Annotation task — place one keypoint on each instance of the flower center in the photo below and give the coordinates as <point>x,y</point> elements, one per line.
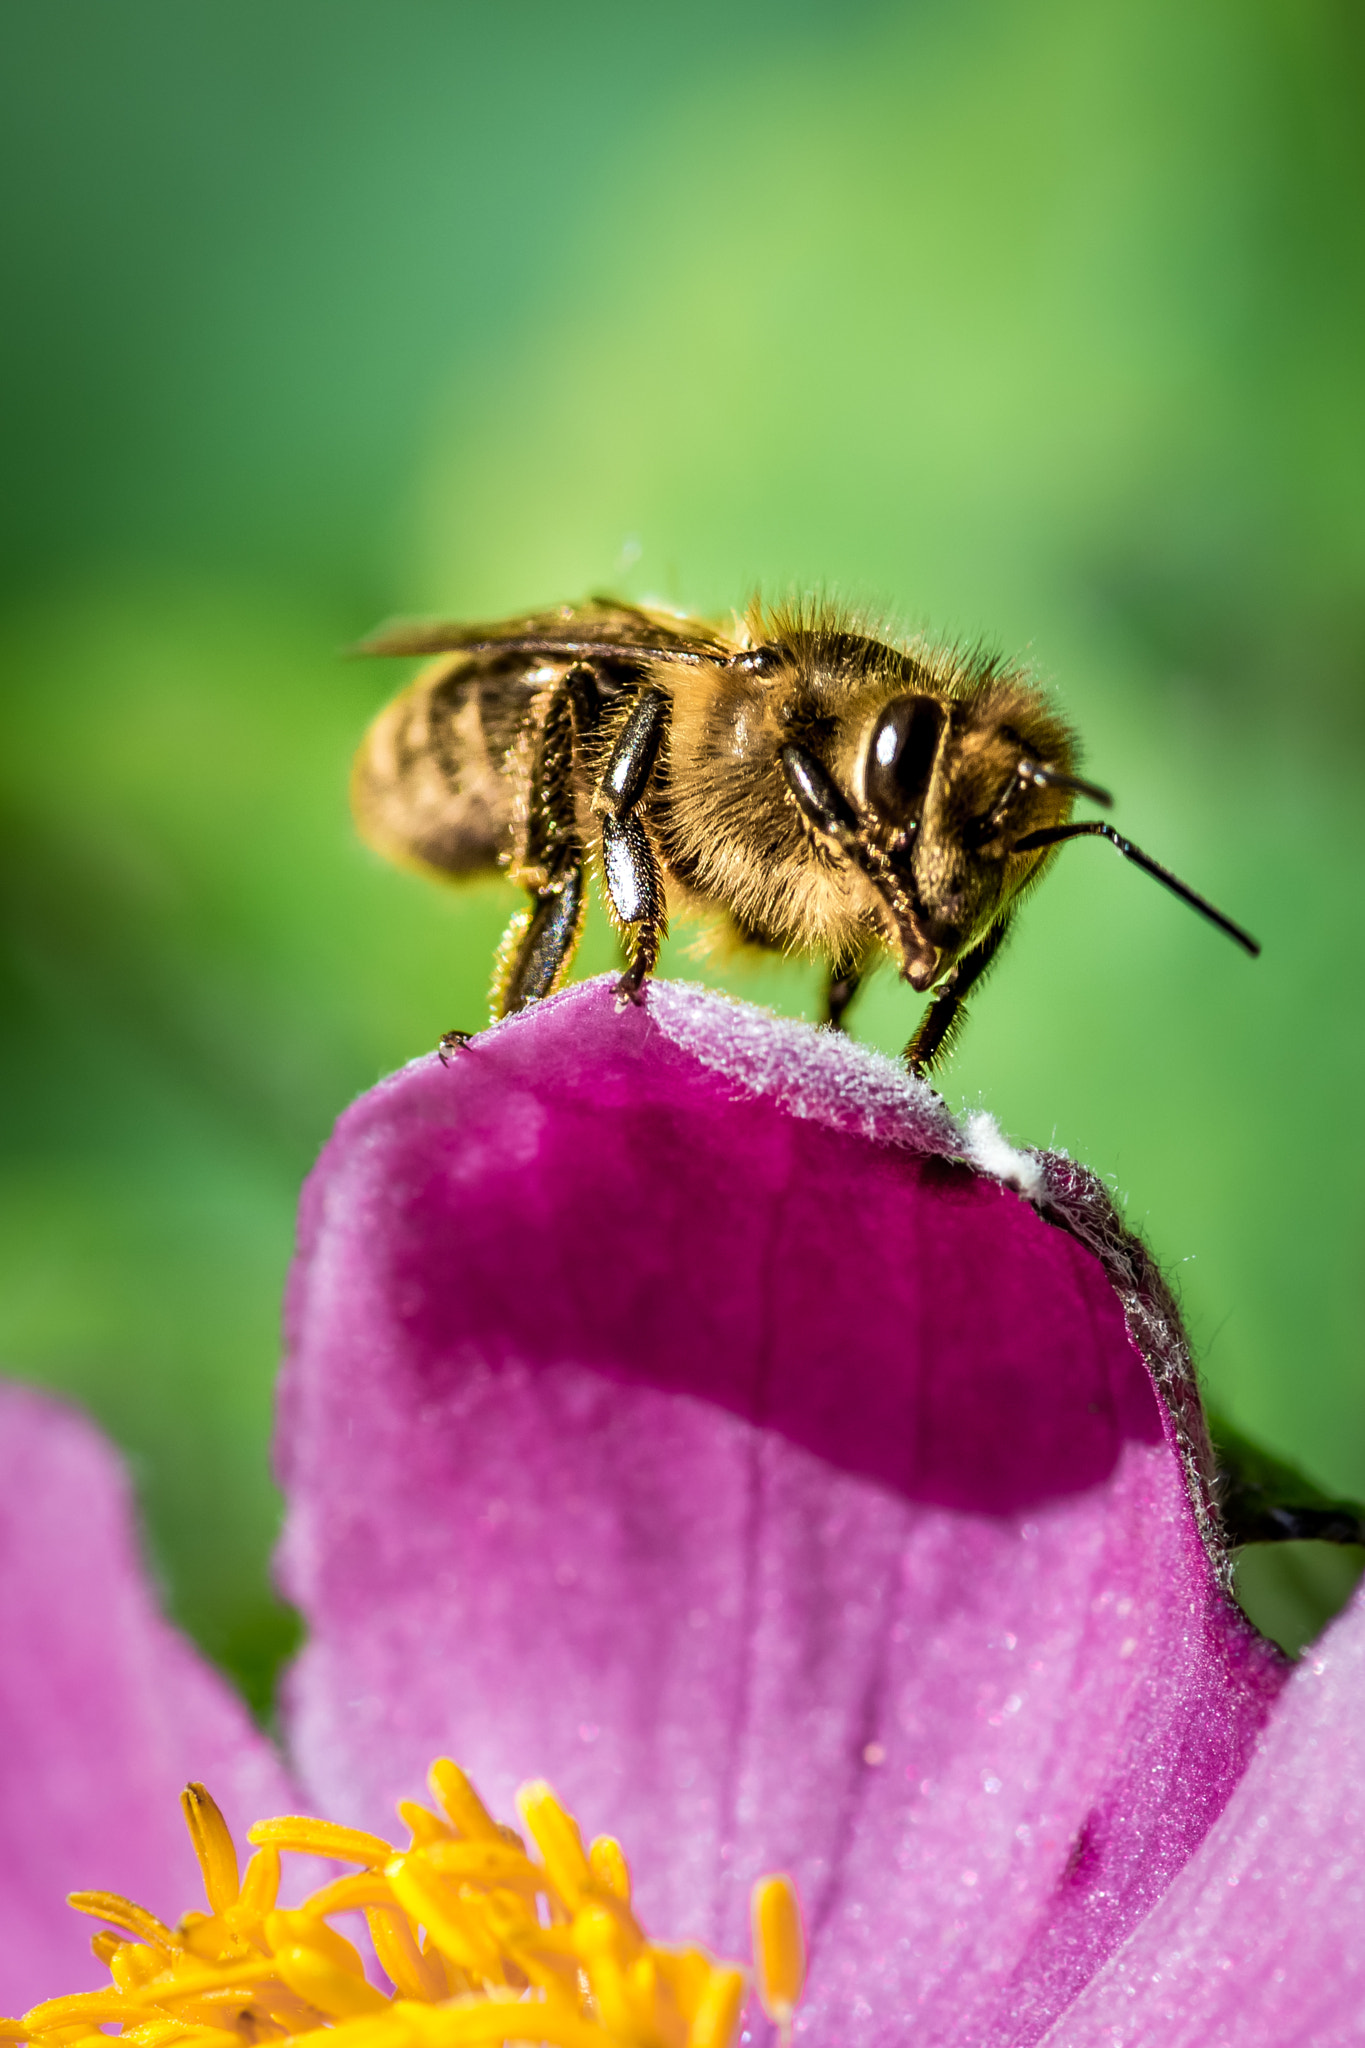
<point>482,1940</point>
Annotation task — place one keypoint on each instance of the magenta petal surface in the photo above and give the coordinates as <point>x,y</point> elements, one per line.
<point>105,1711</point>
<point>669,1414</point>
<point>1260,1942</point>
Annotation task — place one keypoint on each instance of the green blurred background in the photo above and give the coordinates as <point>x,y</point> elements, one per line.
<point>1039,323</point>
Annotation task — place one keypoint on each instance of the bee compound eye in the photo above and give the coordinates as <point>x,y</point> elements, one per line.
<point>759,661</point>
<point>900,757</point>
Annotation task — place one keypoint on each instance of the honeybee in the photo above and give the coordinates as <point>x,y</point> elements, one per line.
<point>805,786</point>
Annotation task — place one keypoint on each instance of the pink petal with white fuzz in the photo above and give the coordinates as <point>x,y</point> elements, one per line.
<point>666,1413</point>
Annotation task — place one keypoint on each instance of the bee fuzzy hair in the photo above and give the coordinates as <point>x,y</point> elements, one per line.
<point>825,625</point>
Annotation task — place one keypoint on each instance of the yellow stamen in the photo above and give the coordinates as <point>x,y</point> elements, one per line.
<point>606,1954</point>
<point>260,1886</point>
<point>716,2019</point>
<point>214,1847</point>
<point>557,2024</point>
<point>555,1834</point>
<point>305,1930</point>
<point>438,1907</point>
<point>323,1983</point>
<point>158,2033</point>
<point>345,1894</point>
<point>779,1949</point>
<point>467,1812</point>
<point>154,2033</point>
<point>91,2008</point>
<point>489,1863</point>
<point>412,1974</point>
<point>481,1941</point>
<point>424,1824</point>
<point>133,1964</point>
<point>606,1861</point>
<point>321,1838</point>
<point>134,1920</point>
<point>195,1979</point>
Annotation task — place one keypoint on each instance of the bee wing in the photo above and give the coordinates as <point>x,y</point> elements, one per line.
<point>601,626</point>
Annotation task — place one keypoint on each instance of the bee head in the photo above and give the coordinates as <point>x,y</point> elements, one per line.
<point>948,786</point>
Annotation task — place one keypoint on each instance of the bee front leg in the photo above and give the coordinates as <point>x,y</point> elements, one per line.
<point>629,864</point>
<point>942,1022</point>
<point>635,887</point>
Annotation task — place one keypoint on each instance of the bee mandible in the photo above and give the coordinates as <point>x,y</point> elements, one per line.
<point>800,783</point>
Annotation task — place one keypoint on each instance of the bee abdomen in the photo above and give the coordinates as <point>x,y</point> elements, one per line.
<point>427,789</point>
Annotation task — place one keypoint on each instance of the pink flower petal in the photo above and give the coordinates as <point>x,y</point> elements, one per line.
<point>105,1711</point>
<point>666,1413</point>
<point>1258,1943</point>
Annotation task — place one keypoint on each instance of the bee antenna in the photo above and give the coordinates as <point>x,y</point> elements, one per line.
<point>1096,828</point>
<point>1053,778</point>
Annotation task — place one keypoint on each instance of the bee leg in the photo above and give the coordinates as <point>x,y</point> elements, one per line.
<point>629,863</point>
<point>539,942</point>
<point>637,897</point>
<point>843,982</point>
<point>628,988</point>
<point>943,1020</point>
<point>627,773</point>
